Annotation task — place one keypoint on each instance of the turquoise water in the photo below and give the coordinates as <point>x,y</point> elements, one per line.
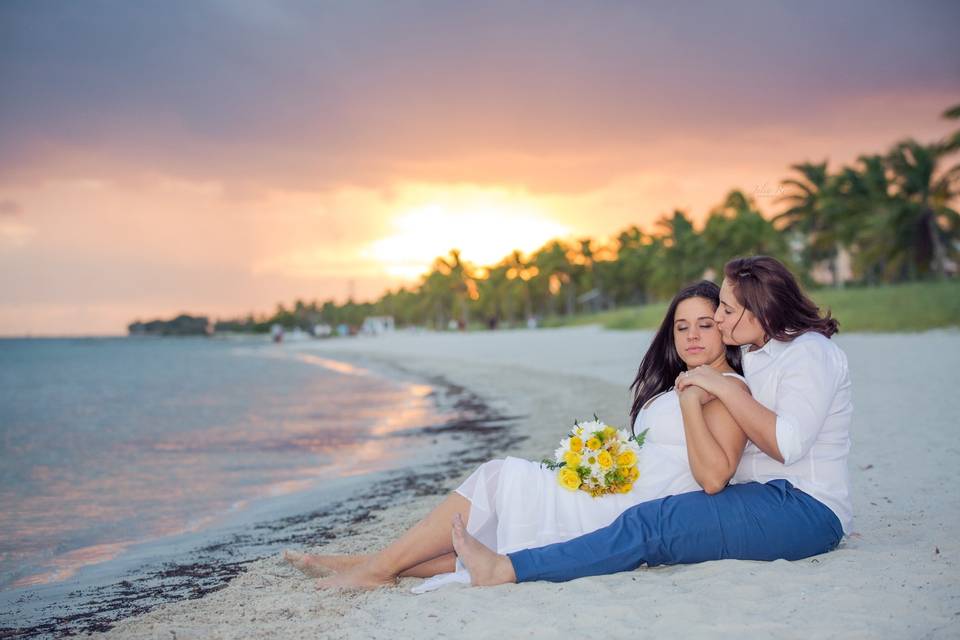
<point>106,443</point>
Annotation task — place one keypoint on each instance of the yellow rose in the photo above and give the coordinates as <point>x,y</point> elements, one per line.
<point>626,459</point>
<point>626,488</point>
<point>576,444</point>
<point>609,432</point>
<point>569,479</point>
<point>605,459</point>
<point>633,474</point>
<point>572,459</point>
<point>593,443</point>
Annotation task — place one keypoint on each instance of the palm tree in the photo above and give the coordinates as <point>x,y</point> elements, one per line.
<point>555,274</point>
<point>814,216</point>
<point>737,228</point>
<point>681,258</point>
<point>925,225</point>
<point>862,192</point>
<point>521,271</point>
<point>952,143</point>
<point>459,279</point>
<point>436,298</point>
<point>636,256</point>
<point>585,255</point>
<point>495,300</point>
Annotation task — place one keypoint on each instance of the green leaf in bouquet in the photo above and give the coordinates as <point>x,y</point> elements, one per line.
<point>613,477</point>
<point>639,438</point>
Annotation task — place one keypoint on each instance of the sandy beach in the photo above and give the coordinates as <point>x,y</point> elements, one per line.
<point>895,576</point>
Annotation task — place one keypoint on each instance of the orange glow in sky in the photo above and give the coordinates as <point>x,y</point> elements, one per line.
<point>485,224</point>
<point>317,152</point>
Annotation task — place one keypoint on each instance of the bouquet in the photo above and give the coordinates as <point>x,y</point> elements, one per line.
<point>597,458</point>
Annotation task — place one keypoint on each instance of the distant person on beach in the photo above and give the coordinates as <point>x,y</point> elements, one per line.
<point>790,497</point>
<point>512,504</point>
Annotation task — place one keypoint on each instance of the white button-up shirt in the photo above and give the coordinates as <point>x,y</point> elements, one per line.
<point>806,382</point>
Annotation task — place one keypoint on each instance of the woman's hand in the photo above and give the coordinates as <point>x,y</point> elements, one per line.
<point>695,394</point>
<point>705,377</point>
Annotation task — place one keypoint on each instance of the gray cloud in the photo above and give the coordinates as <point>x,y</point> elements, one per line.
<point>314,94</point>
<point>10,208</point>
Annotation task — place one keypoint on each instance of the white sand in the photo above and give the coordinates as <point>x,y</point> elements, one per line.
<point>895,577</point>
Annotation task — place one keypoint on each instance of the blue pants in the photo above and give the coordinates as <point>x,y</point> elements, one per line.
<point>744,521</point>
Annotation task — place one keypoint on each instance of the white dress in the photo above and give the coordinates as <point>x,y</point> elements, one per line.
<point>518,504</point>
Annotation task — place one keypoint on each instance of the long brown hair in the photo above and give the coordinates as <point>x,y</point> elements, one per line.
<point>766,288</point>
<point>662,364</point>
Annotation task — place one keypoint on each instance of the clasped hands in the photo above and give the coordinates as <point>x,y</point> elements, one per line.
<point>702,383</point>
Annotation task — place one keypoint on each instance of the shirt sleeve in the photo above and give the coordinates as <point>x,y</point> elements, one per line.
<point>807,386</point>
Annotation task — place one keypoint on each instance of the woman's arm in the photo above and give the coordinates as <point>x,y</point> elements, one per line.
<point>714,441</point>
<point>757,422</point>
<point>811,373</point>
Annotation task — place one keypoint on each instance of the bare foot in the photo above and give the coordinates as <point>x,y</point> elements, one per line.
<point>362,576</point>
<point>486,567</point>
<point>318,566</point>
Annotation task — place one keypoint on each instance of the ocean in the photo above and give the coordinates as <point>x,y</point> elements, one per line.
<point>123,457</point>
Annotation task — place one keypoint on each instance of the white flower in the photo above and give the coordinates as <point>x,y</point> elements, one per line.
<point>596,471</point>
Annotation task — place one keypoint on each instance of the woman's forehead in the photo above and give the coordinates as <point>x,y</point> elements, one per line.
<point>693,308</point>
<point>726,294</point>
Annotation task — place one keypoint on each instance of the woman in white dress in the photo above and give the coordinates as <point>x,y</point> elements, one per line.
<point>515,504</point>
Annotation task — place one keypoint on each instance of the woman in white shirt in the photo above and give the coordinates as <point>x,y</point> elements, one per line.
<point>791,497</point>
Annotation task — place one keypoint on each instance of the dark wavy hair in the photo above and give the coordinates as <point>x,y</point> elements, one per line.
<point>768,290</point>
<point>662,364</point>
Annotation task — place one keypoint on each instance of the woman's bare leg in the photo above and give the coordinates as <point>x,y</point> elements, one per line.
<point>425,541</point>
<point>318,566</point>
<point>441,564</point>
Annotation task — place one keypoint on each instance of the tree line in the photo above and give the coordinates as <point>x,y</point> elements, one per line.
<point>888,215</point>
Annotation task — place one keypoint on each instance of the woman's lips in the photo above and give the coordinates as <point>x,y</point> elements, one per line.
<point>694,349</point>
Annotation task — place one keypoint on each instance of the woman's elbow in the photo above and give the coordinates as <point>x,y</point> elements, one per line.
<point>715,483</point>
<point>713,487</point>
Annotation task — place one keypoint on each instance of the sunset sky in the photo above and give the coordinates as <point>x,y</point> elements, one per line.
<point>220,157</point>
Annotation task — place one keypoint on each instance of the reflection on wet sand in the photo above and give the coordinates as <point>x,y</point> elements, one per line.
<point>64,566</point>
<point>332,365</point>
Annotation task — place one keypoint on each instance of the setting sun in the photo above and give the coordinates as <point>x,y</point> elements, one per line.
<point>485,224</point>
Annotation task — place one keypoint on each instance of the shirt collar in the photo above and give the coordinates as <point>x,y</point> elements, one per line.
<point>772,348</point>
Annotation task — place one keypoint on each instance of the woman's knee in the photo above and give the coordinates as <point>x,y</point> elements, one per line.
<point>493,466</point>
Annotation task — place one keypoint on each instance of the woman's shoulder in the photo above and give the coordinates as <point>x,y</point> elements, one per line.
<point>655,398</point>
<point>817,347</point>
<point>813,342</point>
<point>738,377</point>
<point>658,409</point>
